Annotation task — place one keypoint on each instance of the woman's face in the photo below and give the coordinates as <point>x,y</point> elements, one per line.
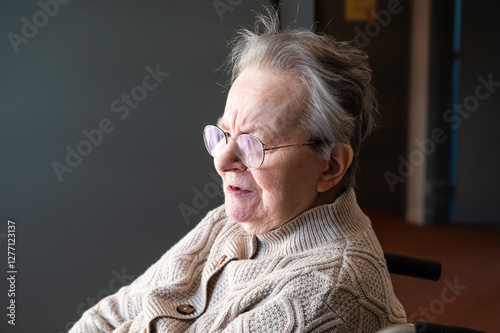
<point>263,103</point>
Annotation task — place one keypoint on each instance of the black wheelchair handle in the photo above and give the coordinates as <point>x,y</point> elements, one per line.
<point>414,267</point>
<point>421,327</point>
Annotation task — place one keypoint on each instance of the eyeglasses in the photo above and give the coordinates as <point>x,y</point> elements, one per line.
<point>249,148</point>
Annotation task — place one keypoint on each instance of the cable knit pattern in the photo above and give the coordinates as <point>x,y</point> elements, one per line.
<point>323,271</point>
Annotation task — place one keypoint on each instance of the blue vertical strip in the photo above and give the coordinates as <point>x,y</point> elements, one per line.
<point>455,95</point>
<point>457,26</point>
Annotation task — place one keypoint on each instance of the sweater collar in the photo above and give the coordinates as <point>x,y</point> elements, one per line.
<point>320,225</point>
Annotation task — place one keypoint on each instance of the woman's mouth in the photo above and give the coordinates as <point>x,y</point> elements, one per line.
<point>237,190</point>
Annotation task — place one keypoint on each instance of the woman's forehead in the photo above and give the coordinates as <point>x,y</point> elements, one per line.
<point>260,99</point>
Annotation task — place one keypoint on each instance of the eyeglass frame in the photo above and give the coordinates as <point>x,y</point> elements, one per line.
<point>264,149</point>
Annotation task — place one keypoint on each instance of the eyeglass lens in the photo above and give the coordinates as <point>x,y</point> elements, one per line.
<point>215,140</point>
<point>249,147</point>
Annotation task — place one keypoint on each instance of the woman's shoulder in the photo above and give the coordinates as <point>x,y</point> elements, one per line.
<point>345,262</point>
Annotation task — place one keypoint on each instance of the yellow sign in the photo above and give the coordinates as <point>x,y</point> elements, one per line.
<point>360,10</point>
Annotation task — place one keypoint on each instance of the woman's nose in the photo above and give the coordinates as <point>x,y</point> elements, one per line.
<point>229,159</point>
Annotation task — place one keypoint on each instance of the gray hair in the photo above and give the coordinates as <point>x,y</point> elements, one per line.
<point>340,104</point>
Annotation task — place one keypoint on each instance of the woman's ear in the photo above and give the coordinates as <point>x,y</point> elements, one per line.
<point>340,160</point>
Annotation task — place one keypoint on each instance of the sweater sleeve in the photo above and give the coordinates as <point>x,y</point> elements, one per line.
<point>122,312</point>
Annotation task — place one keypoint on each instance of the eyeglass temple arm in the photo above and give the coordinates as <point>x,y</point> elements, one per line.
<point>297,144</point>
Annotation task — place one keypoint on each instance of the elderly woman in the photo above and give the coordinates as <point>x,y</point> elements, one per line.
<point>290,250</point>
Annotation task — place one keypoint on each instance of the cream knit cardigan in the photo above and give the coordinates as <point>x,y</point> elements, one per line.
<point>323,271</point>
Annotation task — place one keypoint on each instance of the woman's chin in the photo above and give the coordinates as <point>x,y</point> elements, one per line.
<point>237,215</point>
<point>240,212</point>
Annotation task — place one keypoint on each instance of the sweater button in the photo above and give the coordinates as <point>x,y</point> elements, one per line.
<point>221,261</point>
<point>185,309</point>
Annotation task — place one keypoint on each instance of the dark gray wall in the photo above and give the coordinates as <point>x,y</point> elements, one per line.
<point>478,163</point>
<point>111,214</point>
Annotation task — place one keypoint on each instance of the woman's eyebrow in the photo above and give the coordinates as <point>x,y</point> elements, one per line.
<point>269,134</point>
